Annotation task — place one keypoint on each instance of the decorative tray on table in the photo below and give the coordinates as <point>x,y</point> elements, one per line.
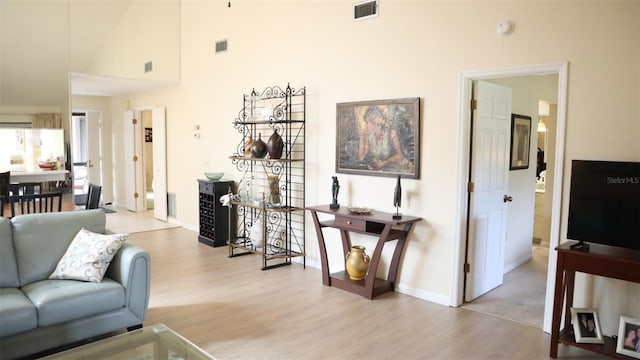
<point>359,210</point>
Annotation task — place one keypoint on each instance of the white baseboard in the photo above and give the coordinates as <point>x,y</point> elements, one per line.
<point>403,289</point>
<point>191,227</point>
<point>424,295</point>
<point>517,263</point>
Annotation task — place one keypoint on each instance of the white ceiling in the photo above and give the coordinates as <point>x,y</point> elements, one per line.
<point>43,41</point>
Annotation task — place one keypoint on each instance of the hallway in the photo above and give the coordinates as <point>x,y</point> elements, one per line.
<point>521,297</point>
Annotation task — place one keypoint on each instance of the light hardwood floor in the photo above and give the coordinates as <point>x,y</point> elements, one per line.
<point>233,310</point>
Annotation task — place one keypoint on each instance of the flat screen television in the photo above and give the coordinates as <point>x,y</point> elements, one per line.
<point>604,203</point>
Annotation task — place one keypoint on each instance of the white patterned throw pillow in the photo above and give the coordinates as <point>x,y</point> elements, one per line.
<point>88,256</point>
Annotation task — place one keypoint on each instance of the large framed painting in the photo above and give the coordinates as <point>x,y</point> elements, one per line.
<point>520,141</point>
<point>379,138</point>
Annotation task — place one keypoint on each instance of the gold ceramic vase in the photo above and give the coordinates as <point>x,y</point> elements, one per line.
<point>357,262</point>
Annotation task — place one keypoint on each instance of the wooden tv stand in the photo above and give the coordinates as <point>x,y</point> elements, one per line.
<point>602,260</point>
<point>378,224</point>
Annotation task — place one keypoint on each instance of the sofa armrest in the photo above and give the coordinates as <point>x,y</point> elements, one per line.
<point>131,267</point>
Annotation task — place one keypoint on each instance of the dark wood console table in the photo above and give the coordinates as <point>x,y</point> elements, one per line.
<point>602,260</point>
<point>376,223</point>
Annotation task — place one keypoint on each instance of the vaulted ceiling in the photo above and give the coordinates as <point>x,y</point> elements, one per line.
<point>43,41</point>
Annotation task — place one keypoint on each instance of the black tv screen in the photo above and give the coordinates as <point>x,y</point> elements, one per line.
<point>604,203</point>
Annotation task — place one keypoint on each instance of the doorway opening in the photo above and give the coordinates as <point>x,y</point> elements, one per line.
<point>521,297</point>
<point>147,158</point>
<point>554,171</point>
<point>86,152</point>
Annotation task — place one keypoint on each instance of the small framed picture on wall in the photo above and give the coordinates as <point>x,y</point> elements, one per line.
<point>148,135</point>
<point>520,141</point>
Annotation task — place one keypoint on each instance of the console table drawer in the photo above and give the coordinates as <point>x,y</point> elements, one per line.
<point>206,187</point>
<point>351,224</point>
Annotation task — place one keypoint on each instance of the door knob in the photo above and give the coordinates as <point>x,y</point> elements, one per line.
<point>507,198</point>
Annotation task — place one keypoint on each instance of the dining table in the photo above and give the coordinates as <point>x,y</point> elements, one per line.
<point>38,176</point>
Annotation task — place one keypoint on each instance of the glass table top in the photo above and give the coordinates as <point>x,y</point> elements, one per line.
<point>152,342</point>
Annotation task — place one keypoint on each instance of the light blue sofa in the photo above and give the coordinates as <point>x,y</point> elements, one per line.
<point>38,314</point>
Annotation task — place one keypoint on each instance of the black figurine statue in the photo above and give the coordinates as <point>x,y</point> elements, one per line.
<point>335,188</point>
<point>397,199</point>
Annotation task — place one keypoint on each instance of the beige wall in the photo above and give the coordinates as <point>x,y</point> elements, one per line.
<point>149,31</point>
<point>412,49</point>
<point>25,114</point>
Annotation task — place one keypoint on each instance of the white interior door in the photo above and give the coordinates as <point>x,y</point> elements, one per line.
<point>159,164</point>
<point>94,147</point>
<point>490,175</point>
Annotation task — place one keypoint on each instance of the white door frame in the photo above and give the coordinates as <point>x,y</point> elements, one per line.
<point>132,149</point>
<point>159,137</point>
<point>464,136</point>
<point>159,149</point>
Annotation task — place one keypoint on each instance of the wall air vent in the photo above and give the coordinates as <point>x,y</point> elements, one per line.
<point>365,10</point>
<point>221,46</point>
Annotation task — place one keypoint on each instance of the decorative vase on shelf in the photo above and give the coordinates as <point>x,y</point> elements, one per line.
<point>357,263</point>
<point>259,148</point>
<point>247,146</point>
<point>275,145</point>
<point>274,189</point>
<point>256,233</point>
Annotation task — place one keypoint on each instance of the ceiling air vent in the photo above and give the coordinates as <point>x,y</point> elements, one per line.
<point>365,10</point>
<point>221,46</point>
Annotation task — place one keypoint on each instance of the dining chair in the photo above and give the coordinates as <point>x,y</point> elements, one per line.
<point>5,180</point>
<point>93,196</point>
<point>35,203</point>
<point>31,187</point>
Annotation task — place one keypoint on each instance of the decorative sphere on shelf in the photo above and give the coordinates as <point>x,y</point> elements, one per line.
<point>214,176</point>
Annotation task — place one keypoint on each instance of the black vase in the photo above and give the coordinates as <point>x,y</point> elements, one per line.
<point>259,148</point>
<point>275,145</point>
